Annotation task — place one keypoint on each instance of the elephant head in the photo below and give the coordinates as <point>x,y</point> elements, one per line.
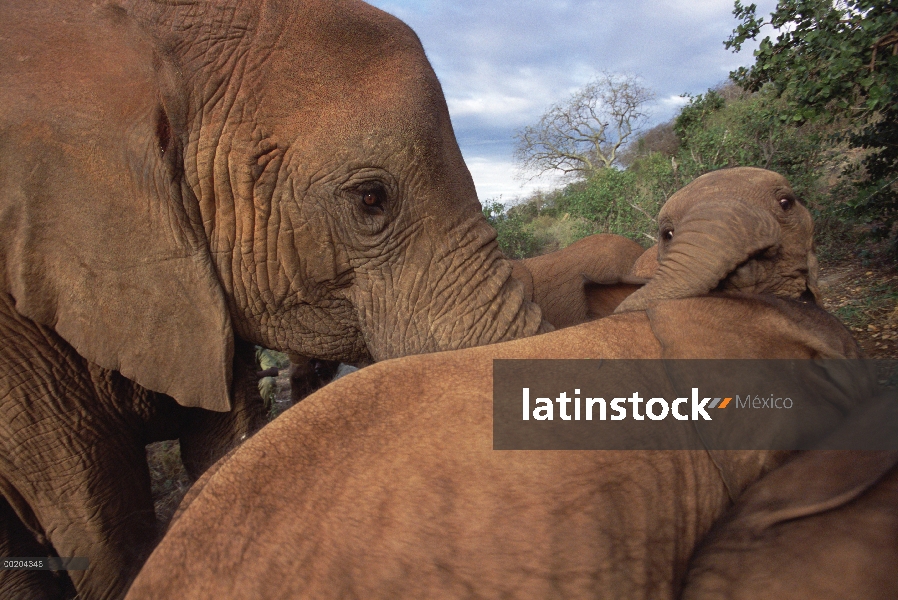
<point>740,229</point>
<point>182,173</point>
<point>182,180</point>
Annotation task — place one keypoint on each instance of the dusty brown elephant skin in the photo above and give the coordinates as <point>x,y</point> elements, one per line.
<point>741,229</point>
<point>397,493</point>
<point>181,180</point>
<point>394,490</point>
<point>822,527</point>
<point>586,280</point>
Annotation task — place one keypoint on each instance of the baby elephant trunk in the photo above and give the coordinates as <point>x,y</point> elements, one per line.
<point>710,244</point>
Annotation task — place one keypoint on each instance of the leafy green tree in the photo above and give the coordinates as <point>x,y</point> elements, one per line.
<point>749,130</point>
<point>833,60</point>
<point>618,201</point>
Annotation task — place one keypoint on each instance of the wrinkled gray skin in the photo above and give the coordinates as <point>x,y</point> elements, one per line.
<point>179,181</point>
<point>822,527</point>
<point>740,229</point>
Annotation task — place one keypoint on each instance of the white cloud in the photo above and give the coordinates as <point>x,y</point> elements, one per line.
<point>489,104</point>
<point>503,64</point>
<point>498,179</point>
<point>508,97</point>
<point>677,100</point>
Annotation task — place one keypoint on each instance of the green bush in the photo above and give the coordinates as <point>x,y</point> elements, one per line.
<point>512,236</point>
<point>849,193</point>
<point>755,130</point>
<point>623,202</point>
<point>751,130</point>
<point>831,62</point>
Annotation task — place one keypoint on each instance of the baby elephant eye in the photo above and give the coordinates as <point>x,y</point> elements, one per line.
<point>786,203</point>
<point>371,199</point>
<point>667,235</point>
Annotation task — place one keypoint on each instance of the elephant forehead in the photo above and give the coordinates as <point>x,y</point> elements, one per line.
<point>741,184</point>
<point>340,80</point>
<point>340,54</point>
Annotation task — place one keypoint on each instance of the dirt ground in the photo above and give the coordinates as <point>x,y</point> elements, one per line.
<point>865,297</point>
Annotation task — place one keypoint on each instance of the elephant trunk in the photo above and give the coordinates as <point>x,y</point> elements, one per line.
<point>710,243</point>
<point>446,296</point>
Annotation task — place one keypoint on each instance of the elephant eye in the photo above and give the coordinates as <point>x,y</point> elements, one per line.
<point>373,199</point>
<point>667,235</point>
<point>786,203</point>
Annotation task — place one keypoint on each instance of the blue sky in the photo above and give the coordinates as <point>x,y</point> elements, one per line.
<point>502,64</point>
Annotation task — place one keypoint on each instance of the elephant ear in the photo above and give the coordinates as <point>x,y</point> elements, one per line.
<point>100,231</point>
<point>711,241</point>
<point>602,297</point>
<point>820,480</point>
<point>813,274</point>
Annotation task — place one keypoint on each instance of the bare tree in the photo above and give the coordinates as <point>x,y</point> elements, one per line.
<point>586,132</point>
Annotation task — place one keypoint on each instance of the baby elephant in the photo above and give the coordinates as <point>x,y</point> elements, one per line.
<point>741,229</point>
<point>385,484</point>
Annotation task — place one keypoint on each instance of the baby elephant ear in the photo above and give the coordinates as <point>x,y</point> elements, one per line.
<point>813,276</point>
<point>820,480</point>
<point>102,238</point>
<point>520,272</point>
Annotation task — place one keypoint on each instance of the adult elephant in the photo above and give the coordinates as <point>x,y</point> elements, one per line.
<point>396,491</point>
<point>179,181</point>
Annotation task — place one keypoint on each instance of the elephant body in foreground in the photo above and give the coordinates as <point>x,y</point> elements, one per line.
<point>180,181</point>
<point>394,489</point>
